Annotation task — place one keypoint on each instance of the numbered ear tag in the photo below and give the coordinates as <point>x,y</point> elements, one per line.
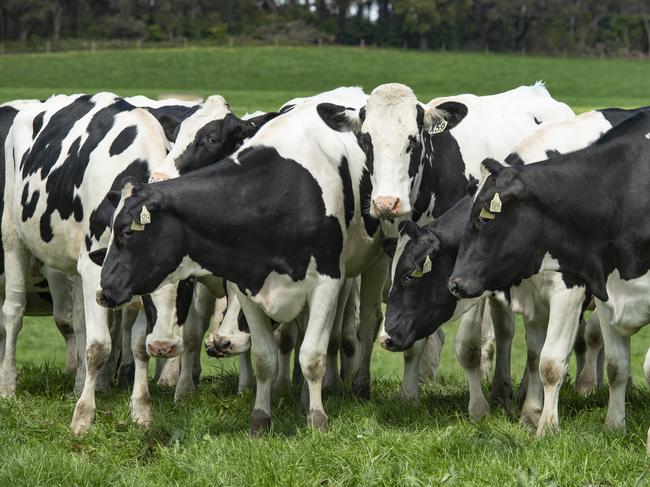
<point>417,273</point>
<point>137,227</point>
<point>427,265</point>
<point>145,216</point>
<point>439,127</point>
<point>486,214</point>
<point>495,204</point>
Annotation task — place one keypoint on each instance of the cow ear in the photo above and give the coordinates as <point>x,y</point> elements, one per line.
<point>340,118</point>
<point>472,186</point>
<point>98,256</point>
<point>252,125</point>
<point>410,228</point>
<point>169,125</point>
<point>443,117</point>
<point>389,245</point>
<point>113,197</point>
<point>491,167</point>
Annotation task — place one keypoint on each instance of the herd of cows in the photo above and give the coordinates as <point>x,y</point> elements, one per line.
<point>150,223</point>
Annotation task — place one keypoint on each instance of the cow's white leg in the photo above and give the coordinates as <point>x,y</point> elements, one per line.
<point>313,351</point>
<point>563,324</point>
<point>617,358</point>
<point>430,360</point>
<point>165,340</point>
<point>140,400</point>
<point>79,325</point>
<point>488,344</point>
<point>107,371</point>
<point>534,402</point>
<point>332,378</point>
<point>349,330</point>
<point>17,260</point>
<point>170,370</point>
<point>588,378</point>
<point>285,337</point>
<point>468,352</point>
<point>372,286</point>
<point>127,367</point>
<point>98,344</point>
<point>192,334</point>
<point>62,292</point>
<point>504,329</point>
<point>580,347</point>
<point>265,355</point>
<point>246,376</point>
<point>411,378</point>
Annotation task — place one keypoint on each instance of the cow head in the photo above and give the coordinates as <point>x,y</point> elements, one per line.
<point>139,258</point>
<point>390,131</point>
<point>210,134</point>
<point>419,300</point>
<point>501,244</point>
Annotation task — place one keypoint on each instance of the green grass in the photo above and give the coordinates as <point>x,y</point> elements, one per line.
<point>204,440</point>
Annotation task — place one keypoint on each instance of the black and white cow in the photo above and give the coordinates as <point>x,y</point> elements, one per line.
<point>419,303</point>
<point>581,215</point>
<point>284,223</point>
<point>420,158</point>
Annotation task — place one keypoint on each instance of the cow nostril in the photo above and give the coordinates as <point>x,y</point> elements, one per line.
<point>395,204</point>
<point>389,343</point>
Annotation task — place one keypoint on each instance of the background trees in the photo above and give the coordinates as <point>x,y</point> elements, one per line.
<point>602,27</point>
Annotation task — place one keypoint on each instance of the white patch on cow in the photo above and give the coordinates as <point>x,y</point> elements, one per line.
<point>348,96</point>
<point>145,102</point>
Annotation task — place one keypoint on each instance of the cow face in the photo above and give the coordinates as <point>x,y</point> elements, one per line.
<point>502,241</point>
<point>139,256</point>
<point>419,301</point>
<point>208,135</point>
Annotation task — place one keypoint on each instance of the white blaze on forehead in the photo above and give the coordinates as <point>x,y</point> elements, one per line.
<point>214,108</point>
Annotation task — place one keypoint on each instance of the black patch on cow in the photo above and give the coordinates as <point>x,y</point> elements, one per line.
<point>514,159</point>
<point>348,193</point>
<point>538,122</point>
<point>150,312</point>
<point>37,123</point>
<point>365,192</point>
<point>242,322</point>
<point>124,139</point>
<point>88,242</point>
<point>551,153</point>
<point>334,116</point>
<point>364,140</point>
<point>102,216</point>
<point>617,115</point>
<point>184,294</point>
<point>171,116</point>
<point>285,109</point>
<point>28,205</point>
<point>7,116</point>
<point>98,256</point>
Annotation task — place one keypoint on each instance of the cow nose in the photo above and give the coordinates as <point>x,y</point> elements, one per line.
<point>386,342</point>
<point>158,176</point>
<point>455,287</point>
<point>101,299</point>
<point>387,206</point>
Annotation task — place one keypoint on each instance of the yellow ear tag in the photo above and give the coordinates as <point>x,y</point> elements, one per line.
<point>495,204</point>
<point>486,214</point>
<point>137,227</point>
<point>439,127</point>
<point>417,273</point>
<point>145,216</point>
<point>427,265</point>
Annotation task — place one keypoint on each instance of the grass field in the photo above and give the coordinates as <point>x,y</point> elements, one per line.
<point>385,441</point>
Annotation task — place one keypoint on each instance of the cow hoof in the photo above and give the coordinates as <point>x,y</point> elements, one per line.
<point>141,411</point>
<point>82,419</point>
<point>125,374</point>
<point>184,389</point>
<point>7,391</point>
<point>361,389</point>
<point>260,423</point>
<point>245,387</point>
<point>280,387</point>
<point>501,395</point>
<point>479,408</point>
<point>530,419</point>
<point>615,423</point>
<point>584,387</point>
<point>317,419</point>
<point>547,426</point>
<point>8,383</point>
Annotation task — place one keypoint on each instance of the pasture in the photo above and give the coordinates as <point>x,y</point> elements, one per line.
<point>204,440</point>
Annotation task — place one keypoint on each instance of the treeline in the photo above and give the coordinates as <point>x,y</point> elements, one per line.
<point>591,27</point>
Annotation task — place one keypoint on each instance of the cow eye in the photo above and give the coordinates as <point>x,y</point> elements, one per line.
<point>212,139</point>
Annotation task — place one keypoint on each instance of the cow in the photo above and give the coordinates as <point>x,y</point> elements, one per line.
<point>284,249</point>
<point>420,158</point>
<point>544,223</point>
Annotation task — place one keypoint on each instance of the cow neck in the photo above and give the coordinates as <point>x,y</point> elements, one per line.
<point>442,181</point>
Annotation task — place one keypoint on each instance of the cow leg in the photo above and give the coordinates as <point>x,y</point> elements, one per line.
<point>488,344</point>
<point>332,376</point>
<point>108,370</point>
<point>588,378</point>
<point>430,360</point>
<point>580,348</point>
<point>523,388</point>
<point>372,286</point>
<point>349,330</point>
<point>617,358</point>
<point>17,259</point>
<point>411,379</point>
<point>285,337</point>
<point>246,376</point>
<point>563,324</point>
<point>79,325</point>
<point>98,344</point>
<point>296,376</point>
<point>535,336</point>
<point>313,351</point>
<point>504,329</point>
<point>468,352</point>
<point>127,366</point>
<point>165,340</point>
<point>62,303</point>
<point>265,355</point>
<point>169,370</point>
<point>140,400</point>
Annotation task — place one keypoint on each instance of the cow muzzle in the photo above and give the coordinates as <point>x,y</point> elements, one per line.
<point>388,207</point>
<point>106,299</point>
<point>159,176</point>
<point>464,288</point>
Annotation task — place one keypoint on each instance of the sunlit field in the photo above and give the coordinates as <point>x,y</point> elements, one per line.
<point>204,440</point>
